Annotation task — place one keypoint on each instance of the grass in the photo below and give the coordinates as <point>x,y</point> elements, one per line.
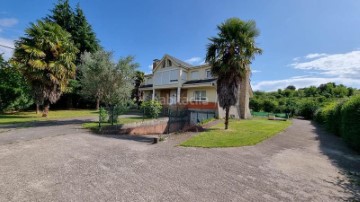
<point>24,117</point>
<point>240,133</point>
<point>94,126</point>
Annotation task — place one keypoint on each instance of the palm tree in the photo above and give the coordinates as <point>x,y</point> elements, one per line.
<point>230,54</point>
<point>45,57</point>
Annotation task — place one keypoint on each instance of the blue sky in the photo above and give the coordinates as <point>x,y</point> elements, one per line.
<point>305,42</point>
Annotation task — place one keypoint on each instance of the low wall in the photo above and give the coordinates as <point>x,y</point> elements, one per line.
<point>149,127</point>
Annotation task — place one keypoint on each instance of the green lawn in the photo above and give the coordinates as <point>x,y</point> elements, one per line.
<point>23,117</point>
<point>240,133</point>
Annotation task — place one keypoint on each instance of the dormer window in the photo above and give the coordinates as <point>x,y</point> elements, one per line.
<point>169,63</point>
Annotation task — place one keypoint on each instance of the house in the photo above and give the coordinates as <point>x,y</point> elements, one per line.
<point>177,83</point>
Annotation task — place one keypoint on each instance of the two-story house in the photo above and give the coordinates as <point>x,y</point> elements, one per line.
<point>177,83</point>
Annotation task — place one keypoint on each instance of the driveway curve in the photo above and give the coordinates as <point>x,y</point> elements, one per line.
<point>303,163</point>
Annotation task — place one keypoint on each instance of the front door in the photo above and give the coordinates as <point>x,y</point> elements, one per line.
<point>173,97</point>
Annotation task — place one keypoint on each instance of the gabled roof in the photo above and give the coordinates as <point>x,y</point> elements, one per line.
<point>180,62</point>
<point>174,60</point>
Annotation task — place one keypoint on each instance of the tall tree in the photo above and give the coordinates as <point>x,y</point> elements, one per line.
<point>106,81</point>
<point>138,80</point>
<point>63,15</point>
<point>77,25</point>
<point>83,35</point>
<point>45,57</point>
<point>230,54</point>
<point>75,22</point>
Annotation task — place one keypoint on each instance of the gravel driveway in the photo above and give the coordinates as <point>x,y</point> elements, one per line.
<point>301,164</point>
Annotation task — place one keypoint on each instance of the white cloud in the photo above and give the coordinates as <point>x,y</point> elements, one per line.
<point>8,22</point>
<point>6,51</point>
<point>345,65</point>
<point>296,59</point>
<point>299,82</point>
<point>195,61</point>
<point>319,68</point>
<point>255,71</point>
<point>315,55</point>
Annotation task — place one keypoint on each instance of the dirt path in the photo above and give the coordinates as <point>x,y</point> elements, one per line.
<point>301,164</point>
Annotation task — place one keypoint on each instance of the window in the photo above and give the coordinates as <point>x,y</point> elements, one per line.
<point>208,73</point>
<point>194,75</point>
<point>174,74</point>
<point>169,63</point>
<point>165,79</point>
<point>163,64</point>
<point>157,78</point>
<point>200,95</point>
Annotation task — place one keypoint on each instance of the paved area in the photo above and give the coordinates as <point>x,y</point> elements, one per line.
<point>69,164</point>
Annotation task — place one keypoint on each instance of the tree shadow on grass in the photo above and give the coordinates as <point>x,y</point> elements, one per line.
<point>47,123</point>
<point>347,160</point>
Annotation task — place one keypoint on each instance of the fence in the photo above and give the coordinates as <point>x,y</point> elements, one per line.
<point>267,114</point>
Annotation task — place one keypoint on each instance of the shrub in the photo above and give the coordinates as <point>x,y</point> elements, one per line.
<point>116,111</point>
<point>269,106</point>
<point>151,108</point>
<point>350,122</point>
<point>103,115</point>
<point>307,109</point>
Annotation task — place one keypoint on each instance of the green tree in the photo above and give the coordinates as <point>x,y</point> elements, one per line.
<point>291,87</point>
<point>230,54</point>
<point>14,92</point>
<point>77,25</point>
<point>311,91</point>
<point>256,104</point>
<point>45,57</point>
<point>119,82</point>
<point>83,36</point>
<point>94,68</point>
<point>106,81</point>
<point>269,105</point>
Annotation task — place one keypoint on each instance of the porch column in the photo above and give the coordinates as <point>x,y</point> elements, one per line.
<point>153,95</point>
<point>178,95</point>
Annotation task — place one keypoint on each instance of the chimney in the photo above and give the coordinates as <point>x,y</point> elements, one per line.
<point>155,63</point>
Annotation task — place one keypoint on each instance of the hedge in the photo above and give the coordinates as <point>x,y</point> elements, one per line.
<point>350,122</point>
<point>343,119</point>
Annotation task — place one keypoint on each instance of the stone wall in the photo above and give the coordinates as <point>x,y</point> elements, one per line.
<point>149,127</point>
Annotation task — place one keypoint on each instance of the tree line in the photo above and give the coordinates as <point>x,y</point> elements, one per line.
<point>60,55</point>
<point>302,102</point>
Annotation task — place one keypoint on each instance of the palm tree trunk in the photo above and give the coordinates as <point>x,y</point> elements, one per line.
<point>97,103</point>
<point>227,109</point>
<point>46,108</point>
<point>37,108</point>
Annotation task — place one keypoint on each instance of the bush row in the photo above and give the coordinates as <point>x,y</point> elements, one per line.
<point>343,119</point>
